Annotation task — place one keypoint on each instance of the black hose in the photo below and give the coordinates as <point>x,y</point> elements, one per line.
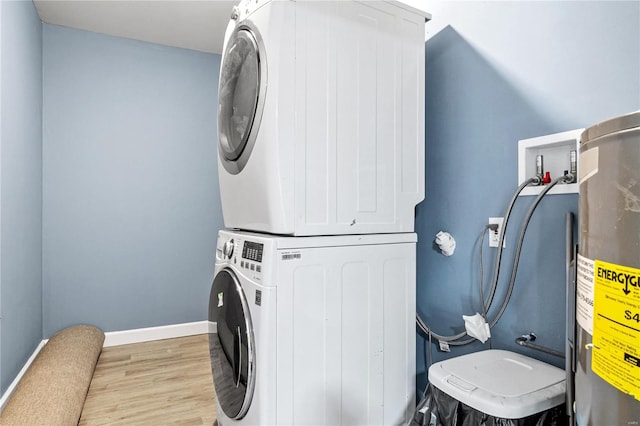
<point>481,273</point>
<point>523,341</point>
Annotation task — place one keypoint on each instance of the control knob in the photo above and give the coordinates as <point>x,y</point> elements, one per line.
<point>235,13</point>
<point>227,249</point>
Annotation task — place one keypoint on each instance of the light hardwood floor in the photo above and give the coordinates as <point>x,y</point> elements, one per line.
<point>153,383</point>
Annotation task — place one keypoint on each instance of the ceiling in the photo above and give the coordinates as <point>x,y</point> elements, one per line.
<point>190,24</point>
<point>197,25</point>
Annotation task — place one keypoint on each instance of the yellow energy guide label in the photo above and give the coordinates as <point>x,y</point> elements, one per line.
<point>616,326</point>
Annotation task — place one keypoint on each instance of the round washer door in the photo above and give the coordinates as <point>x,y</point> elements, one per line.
<point>241,97</point>
<point>231,346</point>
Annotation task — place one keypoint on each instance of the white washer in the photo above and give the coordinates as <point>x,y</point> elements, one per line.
<point>321,117</point>
<point>313,330</point>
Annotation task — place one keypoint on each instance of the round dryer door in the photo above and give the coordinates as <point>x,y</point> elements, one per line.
<point>231,346</point>
<point>241,95</point>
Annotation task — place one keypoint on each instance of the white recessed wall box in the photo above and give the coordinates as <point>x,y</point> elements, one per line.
<point>555,150</point>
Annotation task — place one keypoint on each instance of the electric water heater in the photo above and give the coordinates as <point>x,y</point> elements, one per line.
<point>607,377</point>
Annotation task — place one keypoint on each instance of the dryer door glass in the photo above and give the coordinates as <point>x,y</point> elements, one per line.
<point>239,90</point>
<point>231,346</point>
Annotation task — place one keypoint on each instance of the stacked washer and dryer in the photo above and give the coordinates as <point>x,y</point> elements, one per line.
<point>321,165</point>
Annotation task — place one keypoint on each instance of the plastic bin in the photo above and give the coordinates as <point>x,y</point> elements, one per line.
<point>493,387</point>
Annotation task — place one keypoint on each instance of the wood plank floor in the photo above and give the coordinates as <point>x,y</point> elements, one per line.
<point>154,383</point>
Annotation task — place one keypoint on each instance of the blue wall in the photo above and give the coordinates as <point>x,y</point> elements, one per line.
<point>130,196</point>
<point>498,72</point>
<point>123,175</point>
<point>20,186</point>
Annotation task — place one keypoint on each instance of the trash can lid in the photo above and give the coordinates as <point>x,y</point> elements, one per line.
<point>500,383</point>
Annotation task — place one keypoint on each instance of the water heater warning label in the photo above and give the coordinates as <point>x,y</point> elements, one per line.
<point>584,293</point>
<point>616,326</point>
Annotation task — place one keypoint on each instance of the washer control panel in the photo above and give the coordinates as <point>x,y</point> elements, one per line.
<point>249,256</point>
<point>252,256</point>
<point>252,251</point>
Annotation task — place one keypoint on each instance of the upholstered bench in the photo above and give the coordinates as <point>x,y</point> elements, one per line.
<point>53,390</point>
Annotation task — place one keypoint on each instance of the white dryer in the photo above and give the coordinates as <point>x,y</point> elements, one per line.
<point>313,330</point>
<point>321,117</point>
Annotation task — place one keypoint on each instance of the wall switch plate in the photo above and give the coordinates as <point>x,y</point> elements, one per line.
<point>494,235</point>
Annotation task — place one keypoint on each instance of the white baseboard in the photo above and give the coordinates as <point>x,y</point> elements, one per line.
<point>139,335</point>
<point>12,387</point>
<point>124,337</point>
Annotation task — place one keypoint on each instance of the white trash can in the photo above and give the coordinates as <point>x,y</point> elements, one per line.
<point>493,387</point>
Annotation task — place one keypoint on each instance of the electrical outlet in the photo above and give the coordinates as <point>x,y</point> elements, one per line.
<point>494,235</point>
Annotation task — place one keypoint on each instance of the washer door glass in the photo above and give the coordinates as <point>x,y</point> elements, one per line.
<point>238,94</point>
<point>231,346</point>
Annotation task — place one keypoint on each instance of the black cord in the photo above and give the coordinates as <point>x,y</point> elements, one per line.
<point>424,354</point>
